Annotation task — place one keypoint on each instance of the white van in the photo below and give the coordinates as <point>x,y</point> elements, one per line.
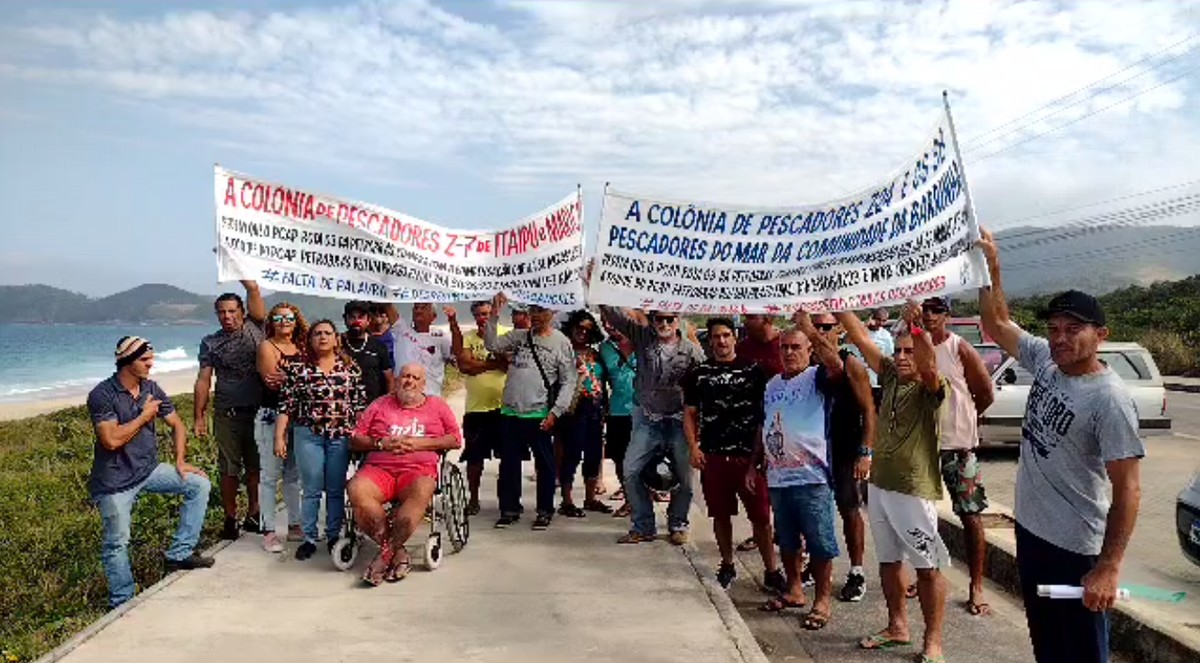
<point>1001,423</point>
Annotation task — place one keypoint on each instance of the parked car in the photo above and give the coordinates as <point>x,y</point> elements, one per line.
<point>1187,520</point>
<point>1002,421</point>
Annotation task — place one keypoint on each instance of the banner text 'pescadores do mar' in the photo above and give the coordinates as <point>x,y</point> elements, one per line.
<point>911,236</point>
<point>298,241</point>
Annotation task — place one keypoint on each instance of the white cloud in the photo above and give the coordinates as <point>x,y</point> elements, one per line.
<point>768,101</point>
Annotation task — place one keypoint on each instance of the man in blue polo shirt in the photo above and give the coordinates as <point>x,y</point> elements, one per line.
<point>123,410</point>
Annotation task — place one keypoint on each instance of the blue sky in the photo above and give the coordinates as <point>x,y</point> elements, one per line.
<point>474,114</point>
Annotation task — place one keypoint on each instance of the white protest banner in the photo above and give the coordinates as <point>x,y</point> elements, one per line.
<point>909,237</point>
<point>299,241</point>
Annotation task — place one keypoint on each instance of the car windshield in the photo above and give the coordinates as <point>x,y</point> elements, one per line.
<point>971,333</point>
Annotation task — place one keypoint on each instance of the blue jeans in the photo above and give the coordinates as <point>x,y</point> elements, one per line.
<point>116,511</point>
<point>323,463</point>
<point>274,469</point>
<point>648,437</point>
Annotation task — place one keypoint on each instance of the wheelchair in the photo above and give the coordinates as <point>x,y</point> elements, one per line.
<point>446,515</point>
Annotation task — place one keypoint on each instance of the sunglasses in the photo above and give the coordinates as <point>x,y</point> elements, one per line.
<point>936,310</point>
<point>665,319</point>
<point>825,326</point>
<point>283,318</point>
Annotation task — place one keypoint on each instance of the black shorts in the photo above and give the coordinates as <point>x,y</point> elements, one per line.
<point>481,436</point>
<point>848,492</point>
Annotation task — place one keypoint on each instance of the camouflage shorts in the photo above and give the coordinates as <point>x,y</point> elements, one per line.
<point>962,476</point>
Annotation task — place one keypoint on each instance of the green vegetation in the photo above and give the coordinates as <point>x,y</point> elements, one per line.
<point>50,532</point>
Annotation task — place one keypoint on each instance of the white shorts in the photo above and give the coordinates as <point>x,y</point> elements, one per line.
<point>905,527</point>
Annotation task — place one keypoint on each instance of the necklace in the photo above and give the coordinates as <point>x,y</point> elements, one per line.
<point>359,348</point>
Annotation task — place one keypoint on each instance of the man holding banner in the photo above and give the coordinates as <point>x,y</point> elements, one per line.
<point>419,343</point>
<point>664,357</point>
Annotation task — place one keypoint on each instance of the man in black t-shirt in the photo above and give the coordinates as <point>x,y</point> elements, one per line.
<point>722,421</point>
<point>371,355</point>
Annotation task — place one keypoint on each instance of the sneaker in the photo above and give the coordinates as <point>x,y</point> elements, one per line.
<point>541,522</point>
<point>295,534</point>
<point>854,589</point>
<point>306,550</point>
<point>678,537</point>
<point>726,572</point>
<point>807,579</point>
<point>253,524</point>
<point>473,509</point>
<point>506,521</point>
<point>775,581</point>
<point>230,531</point>
<point>194,561</point>
<point>271,543</point>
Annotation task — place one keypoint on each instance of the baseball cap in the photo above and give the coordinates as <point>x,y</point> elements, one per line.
<point>518,307</point>
<point>1078,305</point>
<point>356,305</point>
<point>936,302</point>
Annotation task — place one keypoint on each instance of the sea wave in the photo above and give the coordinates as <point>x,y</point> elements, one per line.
<point>175,359</point>
<point>172,354</point>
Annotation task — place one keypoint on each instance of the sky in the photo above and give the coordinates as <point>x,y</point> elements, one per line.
<point>475,114</point>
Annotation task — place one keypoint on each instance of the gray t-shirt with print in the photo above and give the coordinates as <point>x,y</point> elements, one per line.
<point>1073,425</point>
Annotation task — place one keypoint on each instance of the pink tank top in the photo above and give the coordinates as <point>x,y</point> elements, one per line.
<point>959,424</point>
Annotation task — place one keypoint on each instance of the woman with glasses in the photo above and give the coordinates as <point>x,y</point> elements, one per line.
<point>323,396</point>
<point>285,333</point>
<point>582,428</point>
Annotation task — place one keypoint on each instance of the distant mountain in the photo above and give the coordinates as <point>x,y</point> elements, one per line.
<point>1099,259</point>
<point>1036,260</point>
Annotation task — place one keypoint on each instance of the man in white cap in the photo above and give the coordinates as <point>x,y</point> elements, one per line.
<point>123,409</point>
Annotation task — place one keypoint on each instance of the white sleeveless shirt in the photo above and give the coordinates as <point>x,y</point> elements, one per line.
<point>959,426</point>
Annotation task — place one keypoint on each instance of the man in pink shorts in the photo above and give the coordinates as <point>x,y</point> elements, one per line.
<point>402,435</point>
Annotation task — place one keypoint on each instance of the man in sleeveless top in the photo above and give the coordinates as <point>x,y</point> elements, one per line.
<point>969,395</point>
<point>852,439</point>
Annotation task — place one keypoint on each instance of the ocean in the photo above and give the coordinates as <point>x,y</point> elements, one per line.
<point>41,362</point>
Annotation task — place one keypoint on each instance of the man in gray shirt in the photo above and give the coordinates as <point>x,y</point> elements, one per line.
<point>1080,432</point>
<point>538,389</point>
<point>231,354</point>
<point>664,357</point>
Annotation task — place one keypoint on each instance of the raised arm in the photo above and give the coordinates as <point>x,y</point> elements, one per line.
<point>993,306</point>
<point>495,343</point>
<point>923,353</point>
<point>979,383</point>
<point>826,351</point>
<point>256,307</point>
<point>860,384</point>
<point>856,333</point>
<point>632,324</point>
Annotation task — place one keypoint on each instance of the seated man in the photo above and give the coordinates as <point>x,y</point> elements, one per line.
<point>403,435</point>
<point>123,409</point>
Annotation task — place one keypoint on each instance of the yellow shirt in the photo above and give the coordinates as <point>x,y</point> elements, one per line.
<point>486,390</point>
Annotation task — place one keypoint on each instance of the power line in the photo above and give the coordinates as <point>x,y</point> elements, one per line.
<point>1093,84</point>
<point>1123,248</point>
<point>1137,194</point>
<point>1083,117</point>
<point>1118,219</point>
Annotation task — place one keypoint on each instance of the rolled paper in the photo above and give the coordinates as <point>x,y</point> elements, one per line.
<point>1073,592</point>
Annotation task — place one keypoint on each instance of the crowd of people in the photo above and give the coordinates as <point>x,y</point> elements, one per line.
<point>830,419</point>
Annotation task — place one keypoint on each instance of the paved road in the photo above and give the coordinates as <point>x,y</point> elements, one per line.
<point>1172,457</point>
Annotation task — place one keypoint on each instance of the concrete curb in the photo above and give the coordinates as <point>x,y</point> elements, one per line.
<point>747,646</point>
<point>1136,627</point>
<point>112,616</point>
<point>1170,385</point>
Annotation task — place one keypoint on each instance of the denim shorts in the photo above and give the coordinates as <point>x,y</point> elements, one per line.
<point>805,511</point>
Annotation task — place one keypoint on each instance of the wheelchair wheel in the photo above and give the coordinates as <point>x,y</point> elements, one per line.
<point>458,526</point>
<point>345,553</point>
<point>433,552</point>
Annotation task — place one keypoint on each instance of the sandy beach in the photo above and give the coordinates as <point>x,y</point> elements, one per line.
<point>174,382</point>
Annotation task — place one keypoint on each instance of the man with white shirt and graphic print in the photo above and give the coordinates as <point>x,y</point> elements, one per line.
<point>969,396</point>
<point>419,343</point>
<point>798,456</point>
<point>1080,434</point>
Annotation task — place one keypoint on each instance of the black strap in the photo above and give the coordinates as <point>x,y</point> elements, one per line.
<point>538,361</point>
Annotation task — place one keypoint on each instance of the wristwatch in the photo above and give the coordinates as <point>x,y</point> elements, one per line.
<point>865,452</point>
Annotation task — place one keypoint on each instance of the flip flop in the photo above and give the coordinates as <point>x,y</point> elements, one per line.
<point>597,506</point>
<point>814,621</point>
<point>779,604</point>
<point>922,658</point>
<point>747,545</point>
<point>617,496</point>
<point>398,570</point>
<point>623,512</point>
<point>881,641</point>
<point>977,609</point>
<point>376,571</point>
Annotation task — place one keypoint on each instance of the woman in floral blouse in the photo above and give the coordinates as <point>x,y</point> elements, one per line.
<point>323,397</point>
<point>582,430</point>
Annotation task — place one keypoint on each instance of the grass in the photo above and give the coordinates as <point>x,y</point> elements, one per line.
<point>50,532</point>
